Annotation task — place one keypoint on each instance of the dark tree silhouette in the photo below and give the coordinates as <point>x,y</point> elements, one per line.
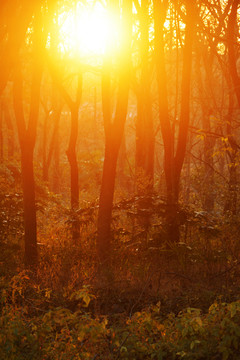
<point>27,138</point>
<point>173,158</point>
<point>114,128</point>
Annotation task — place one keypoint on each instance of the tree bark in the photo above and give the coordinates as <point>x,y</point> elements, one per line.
<point>48,155</point>
<point>30,219</point>
<point>71,150</point>
<point>232,28</point>
<point>72,158</point>
<point>10,131</point>
<point>20,18</point>
<point>173,160</point>
<point>209,140</point>
<point>231,40</point>
<point>56,171</point>
<point>232,154</point>
<point>1,132</point>
<point>106,200</point>
<point>27,139</point>
<point>144,125</point>
<point>114,129</point>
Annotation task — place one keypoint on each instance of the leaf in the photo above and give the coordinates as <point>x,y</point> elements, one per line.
<point>181,353</point>
<point>193,343</point>
<point>86,299</point>
<point>48,294</point>
<point>123,349</point>
<point>233,309</point>
<point>198,321</point>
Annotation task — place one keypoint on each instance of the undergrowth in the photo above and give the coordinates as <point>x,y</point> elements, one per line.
<point>157,302</point>
<point>34,326</point>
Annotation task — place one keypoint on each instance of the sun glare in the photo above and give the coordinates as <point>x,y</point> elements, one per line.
<point>85,30</point>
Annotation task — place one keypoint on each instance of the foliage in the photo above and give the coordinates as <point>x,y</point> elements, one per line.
<point>30,330</point>
<point>11,203</point>
<point>55,314</point>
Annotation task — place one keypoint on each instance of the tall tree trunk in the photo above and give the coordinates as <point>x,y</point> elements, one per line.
<point>48,155</point>
<point>167,134</point>
<point>71,150</point>
<point>185,97</point>
<point>106,199</point>
<point>20,17</point>
<point>27,139</point>
<point>30,220</point>
<point>232,154</point>
<point>10,132</point>
<point>231,41</point>
<point>232,31</point>
<point>173,161</point>
<point>121,164</point>
<point>209,140</point>
<point>56,157</point>
<point>144,125</point>
<point>114,129</point>
<point>44,145</point>
<point>1,132</point>
<point>72,159</point>
<point>209,143</point>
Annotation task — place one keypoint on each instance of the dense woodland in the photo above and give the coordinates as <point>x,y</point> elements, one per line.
<point>119,173</point>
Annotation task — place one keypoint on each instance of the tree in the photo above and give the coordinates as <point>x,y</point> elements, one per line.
<point>231,39</point>
<point>173,158</point>
<point>144,124</point>
<point>15,18</point>
<point>71,150</point>
<point>114,128</point>
<point>27,138</point>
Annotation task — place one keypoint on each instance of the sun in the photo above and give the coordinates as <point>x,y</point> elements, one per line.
<point>85,30</point>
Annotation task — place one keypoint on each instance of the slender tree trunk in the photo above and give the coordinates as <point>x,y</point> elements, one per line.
<point>173,163</point>
<point>27,139</point>
<point>231,201</point>
<point>44,153</point>
<point>232,30</point>
<point>72,159</point>
<point>232,155</point>
<point>30,220</point>
<point>48,155</point>
<point>114,129</point>
<point>209,140</point>
<point>71,151</point>
<point>144,125</point>
<point>185,97</point>
<point>10,132</point>
<point>231,40</point>
<point>114,134</point>
<point>167,131</point>
<point>121,163</point>
<point>106,200</point>
<point>16,34</point>
<point>56,171</point>
<point>167,134</point>
<point>1,132</point>
<point>209,196</point>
